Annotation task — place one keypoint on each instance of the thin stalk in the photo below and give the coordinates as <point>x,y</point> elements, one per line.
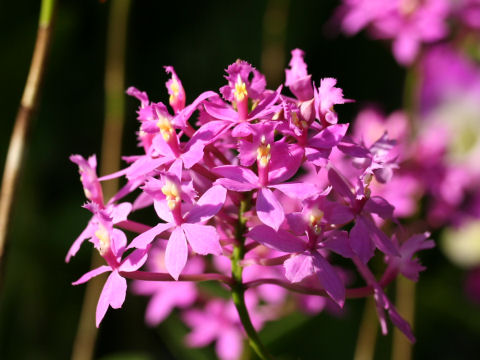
<point>238,288</point>
<point>21,127</point>
<point>152,276</point>
<point>367,334</point>
<point>405,303</point>
<point>84,344</point>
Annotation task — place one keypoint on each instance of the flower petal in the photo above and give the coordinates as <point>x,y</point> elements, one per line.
<point>269,209</point>
<point>298,267</point>
<point>328,276</point>
<point>379,206</point>
<point>208,205</point>
<point>328,137</point>
<point>297,190</point>
<point>176,253</point>
<point>142,240</point>
<point>91,274</point>
<point>85,234</point>
<point>281,240</point>
<point>135,260</point>
<point>113,294</point>
<point>360,241</point>
<point>202,238</point>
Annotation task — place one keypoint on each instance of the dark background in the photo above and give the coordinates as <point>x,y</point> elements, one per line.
<point>39,309</point>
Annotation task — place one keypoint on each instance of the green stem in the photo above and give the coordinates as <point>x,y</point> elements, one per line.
<point>238,288</point>
<point>405,303</point>
<point>84,344</point>
<point>19,138</point>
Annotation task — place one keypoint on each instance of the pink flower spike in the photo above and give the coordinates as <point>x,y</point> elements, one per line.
<point>113,294</point>
<point>175,90</point>
<point>176,253</point>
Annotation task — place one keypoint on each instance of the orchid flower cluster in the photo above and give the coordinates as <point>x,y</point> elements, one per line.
<point>408,24</point>
<point>261,191</point>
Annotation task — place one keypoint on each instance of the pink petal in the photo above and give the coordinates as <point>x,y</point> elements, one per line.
<point>281,240</point>
<point>120,212</point>
<point>269,209</point>
<point>405,48</point>
<point>85,234</point>
<point>379,206</point>
<point>236,173</point>
<point>401,324</point>
<point>297,190</point>
<point>297,223</point>
<point>382,241</point>
<point>360,241</point>
<point>235,185</point>
<point>328,137</point>
<point>135,260</point>
<point>185,114</point>
<point>113,294</point>
<point>208,205</point>
<point>176,169</point>
<point>162,210</point>
<point>193,155</point>
<point>208,133</point>
<point>329,279</point>
<point>229,344</point>
<point>202,238</point>
<point>220,112</point>
<point>92,273</point>
<point>265,106</point>
<point>298,267</point>
<point>176,253</point>
<point>337,241</point>
<point>340,185</point>
<point>158,309</point>
<point>142,240</point>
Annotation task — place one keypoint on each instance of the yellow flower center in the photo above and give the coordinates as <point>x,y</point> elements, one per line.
<point>171,192</point>
<point>316,216</point>
<point>240,91</point>
<point>301,124</point>
<point>165,127</point>
<point>103,238</point>
<point>175,89</point>
<point>263,152</point>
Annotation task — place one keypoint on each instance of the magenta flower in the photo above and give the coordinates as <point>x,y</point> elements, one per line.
<point>219,322</point>
<point>184,226</point>
<point>111,243</point>
<point>365,236</point>
<point>407,23</point>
